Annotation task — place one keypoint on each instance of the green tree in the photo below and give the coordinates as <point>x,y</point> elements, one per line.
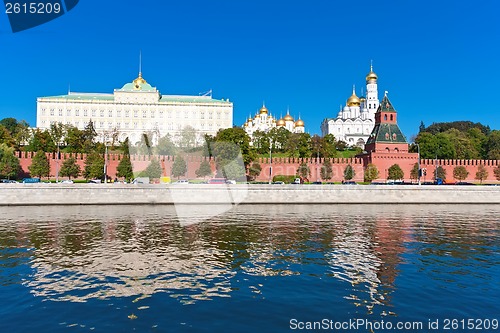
<point>94,166</point>
<point>41,141</point>
<point>496,172</point>
<point>187,138</point>
<point>349,172</point>
<point>229,143</point>
<point>22,135</point>
<point>326,171</point>
<point>260,142</point>
<point>204,170</point>
<point>154,170</point>
<point>166,146</point>
<point>232,170</point>
<point>57,132</point>
<point>329,146</point>
<point>89,136</point>
<point>9,163</point>
<point>371,172</point>
<point>70,168</point>
<point>73,140</point>
<point>481,173</point>
<point>5,137</point>
<point>414,172</point>
<point>395,172</point>
<point>460,172</point>
<point>124,168</point>
<point>279,137</point>
<point>303,171</point>
<point>40,166</point>
<point>179,168</point>
<point>254,170</point>
<point>492,145</point>
<point>10,124</point>
<point>441,173</point>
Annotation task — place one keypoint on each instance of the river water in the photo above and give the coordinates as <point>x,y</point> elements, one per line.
<point>258,268</point>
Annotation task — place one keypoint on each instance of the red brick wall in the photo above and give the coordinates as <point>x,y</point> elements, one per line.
<point>288,166</point>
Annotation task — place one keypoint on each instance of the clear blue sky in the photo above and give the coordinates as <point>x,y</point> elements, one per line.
<point>437,59</point>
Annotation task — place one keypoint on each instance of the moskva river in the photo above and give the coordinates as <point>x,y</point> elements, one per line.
<point>252,269</point>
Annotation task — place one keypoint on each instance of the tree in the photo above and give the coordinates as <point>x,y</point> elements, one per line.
<point>179,168</point>
<point>414,172</point>
<point>229,143</point>
<point>204,170</point>
<point>89,136</point>
<point>166,146</point>
<point>70,168</point>
<point>154,170</point>
<point>9,163</point>
<point>460,172</point>
<point>481,173</point>
<point>329,146</point>
<point>395,172</point>
<point>94,166</point>
<point>260,142</point>
<point>349,172</point>
<point>371,172</point>
<point>303,171</point>
<point>187,137</point>
<point>41,141</point>
<point>496,172</point>
<point>124,168</point>
<point>492,145</point>
<point>254,170</point>
<point>326,171</point>
<point>441,173</point>
<point>40,166</point>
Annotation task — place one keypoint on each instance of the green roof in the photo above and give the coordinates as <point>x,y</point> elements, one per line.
<point>386,133</point>
<point>111,97</point>
<point>83,97</point>
<point>142,87</point>
<point>385,105</point>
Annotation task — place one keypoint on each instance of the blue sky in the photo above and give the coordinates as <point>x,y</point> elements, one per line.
<point>437,59</point>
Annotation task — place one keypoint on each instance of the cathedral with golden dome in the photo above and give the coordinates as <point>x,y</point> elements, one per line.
<point>263,121</point>
<point>355,121</point>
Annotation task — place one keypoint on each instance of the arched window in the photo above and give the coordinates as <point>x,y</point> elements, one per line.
<point>387,149</point>
<point>385,117</point>
<point>392,118</point>
<point>396,150</point>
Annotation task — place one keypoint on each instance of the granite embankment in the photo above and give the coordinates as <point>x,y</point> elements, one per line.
<point>126,194</point>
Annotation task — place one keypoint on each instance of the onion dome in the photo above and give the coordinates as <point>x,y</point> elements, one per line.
<point>299,123</point>
<point>353,100</point>
<point>362,99</point>
<point>371,76</point>
<point>280,122</point>
<point>288,118</point>
<point>263,109</point>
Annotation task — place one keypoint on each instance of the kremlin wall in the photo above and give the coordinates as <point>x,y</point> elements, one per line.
<point>288,166</point>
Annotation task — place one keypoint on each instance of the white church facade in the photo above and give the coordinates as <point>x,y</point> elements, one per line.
<point>355,121</point>
<point>263,121</point>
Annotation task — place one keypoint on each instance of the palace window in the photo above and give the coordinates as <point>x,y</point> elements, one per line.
<point>68,112</point>
<point>85,112</point>
<point>51,112</point>
<point>161,113</point>
<point>118,113</point>
<point>77,112</point>
<point>60,112</point>
<point>93,113</point>
<point>101,124</point>
<point>136,113</point>
<point>152,114</point>
<point>135,125</point>
<point>126,125</point>
<point>110,113</point>
<point>144,114</point>
<point>127,113</point>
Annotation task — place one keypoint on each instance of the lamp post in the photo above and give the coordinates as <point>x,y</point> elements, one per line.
<point>419,170</point>
<point>57,163</point>
<point>436,166</point>
<point>271,161</point>
<point>104,137</point>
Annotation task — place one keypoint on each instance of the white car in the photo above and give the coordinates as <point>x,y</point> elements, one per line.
<point>67,181</point>
<point>182,181</point>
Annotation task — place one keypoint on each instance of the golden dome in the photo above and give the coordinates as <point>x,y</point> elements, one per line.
<point>299,123</point>
<point>288,118</point>
<point>353,100</point>
<point>137,82</point>
<point>263,109</point>
<point>280,122</point>
<point>371,76</point>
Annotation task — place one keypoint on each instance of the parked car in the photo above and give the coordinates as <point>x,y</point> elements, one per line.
<point>297,181</point>
<point>31,180</point>
<point>217,181</point>
<point>231,181</point>
<point>279,183</point>
<point>67,181</point>
<point>349,182</point>
<point>8,181</point>
<point>181,181</point>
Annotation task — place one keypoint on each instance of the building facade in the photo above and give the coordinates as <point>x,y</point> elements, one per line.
<point>135,109</point>
<point>263,121</point>
<point>355,121</point>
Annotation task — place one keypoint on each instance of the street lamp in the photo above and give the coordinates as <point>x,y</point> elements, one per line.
<point>419,170</point>
<point>105,137</point>
<point>436,166</point>
<point>57,163</point>
<point>271,161</point>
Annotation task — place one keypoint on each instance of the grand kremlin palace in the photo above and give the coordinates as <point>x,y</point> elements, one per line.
<point>135,109</point>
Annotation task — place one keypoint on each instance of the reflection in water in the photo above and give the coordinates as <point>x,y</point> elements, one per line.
<point>81,253</point>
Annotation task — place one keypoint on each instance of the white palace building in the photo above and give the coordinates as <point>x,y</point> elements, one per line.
<point>135,109</point>
<point>356,119</point>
